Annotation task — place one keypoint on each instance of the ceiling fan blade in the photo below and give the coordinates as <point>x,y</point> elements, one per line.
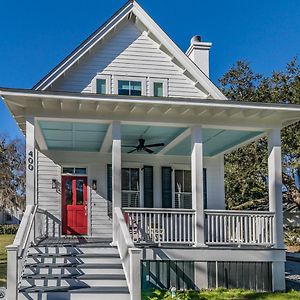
<point>131,151</point>
<point>155,145</point>
<point>148,150</point>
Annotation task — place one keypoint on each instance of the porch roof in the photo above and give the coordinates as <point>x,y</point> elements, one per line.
<point>226,123</point>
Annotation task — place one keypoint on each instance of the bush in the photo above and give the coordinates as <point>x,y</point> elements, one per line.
<point>9,229</point>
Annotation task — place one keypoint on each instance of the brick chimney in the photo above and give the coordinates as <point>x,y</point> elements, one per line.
<point>198,52</point>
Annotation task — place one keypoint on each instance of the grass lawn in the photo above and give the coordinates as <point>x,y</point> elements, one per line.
<point>5,239</point>
<point>221,294</point>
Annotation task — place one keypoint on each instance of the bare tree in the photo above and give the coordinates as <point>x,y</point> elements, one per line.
<point>12,174</point>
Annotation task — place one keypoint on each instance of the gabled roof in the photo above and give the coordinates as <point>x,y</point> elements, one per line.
<point>129,10</point>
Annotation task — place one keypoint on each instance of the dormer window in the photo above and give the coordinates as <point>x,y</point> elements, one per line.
<point>130,88</point>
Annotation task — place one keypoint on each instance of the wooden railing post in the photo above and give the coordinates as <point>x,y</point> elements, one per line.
<point>12,272</point>
<point>135,273</point>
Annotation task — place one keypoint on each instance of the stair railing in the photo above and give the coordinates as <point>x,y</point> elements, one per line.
<point>130,256</point>
<point>16,252</point>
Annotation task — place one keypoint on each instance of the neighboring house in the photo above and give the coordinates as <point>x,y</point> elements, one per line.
<point>10,216</point>
<point>125,144</point>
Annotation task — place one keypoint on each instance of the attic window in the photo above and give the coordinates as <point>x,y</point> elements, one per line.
<point>130,88</point>
<point>158,87</point>
<point>101,86</point>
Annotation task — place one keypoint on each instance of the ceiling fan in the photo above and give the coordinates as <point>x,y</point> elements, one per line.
<point>142,147</point>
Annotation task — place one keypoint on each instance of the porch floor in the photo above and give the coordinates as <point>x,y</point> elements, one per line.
<point>74,240</point>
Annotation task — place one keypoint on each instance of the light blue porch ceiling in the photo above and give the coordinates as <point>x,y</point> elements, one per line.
<point>152,135</point>
<point>215,141</point>
<point>73,136</point>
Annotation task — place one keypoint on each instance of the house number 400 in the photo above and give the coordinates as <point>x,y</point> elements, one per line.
<point>30,161</point>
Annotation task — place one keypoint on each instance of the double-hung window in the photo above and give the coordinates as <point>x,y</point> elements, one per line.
<point>129,87</point>
<point>183,189</point>
<point>130,187</point>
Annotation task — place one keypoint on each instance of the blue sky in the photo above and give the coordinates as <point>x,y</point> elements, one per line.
<point>37,35</point>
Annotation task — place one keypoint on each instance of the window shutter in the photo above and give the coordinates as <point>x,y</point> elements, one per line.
<point>109,190</point>
<point>166,175</point>
<point>148,186</point>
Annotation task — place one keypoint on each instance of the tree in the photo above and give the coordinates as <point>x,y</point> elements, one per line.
<point>12,174</point>
<point>246,173</point>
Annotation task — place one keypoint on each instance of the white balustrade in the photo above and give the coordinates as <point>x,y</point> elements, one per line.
<point>228,227</point>
<point>129,255</point>
<point>161,225</point>
<point>30,230</point>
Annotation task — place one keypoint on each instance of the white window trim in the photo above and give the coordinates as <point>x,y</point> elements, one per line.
<point>73,174</point>
<point>159,80</point>
<point>129,78</point>
<point>108,83</point>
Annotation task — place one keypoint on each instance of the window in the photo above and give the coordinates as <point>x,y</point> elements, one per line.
<point>101,86</point>
<point>130,187</point>
<point>158,89</point>
<point>73,170</point>
<point>183,189</point>
<point>131,88</point>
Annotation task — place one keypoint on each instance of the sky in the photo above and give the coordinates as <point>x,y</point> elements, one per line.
<point>36,35</point>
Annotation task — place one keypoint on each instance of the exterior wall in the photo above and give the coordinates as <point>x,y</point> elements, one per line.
<point>215,182</point>
<point>48,198</point>
<point>49,167</point>
<point>127,53</point>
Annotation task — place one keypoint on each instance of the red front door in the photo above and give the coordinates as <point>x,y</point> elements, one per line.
<point>74,205</point>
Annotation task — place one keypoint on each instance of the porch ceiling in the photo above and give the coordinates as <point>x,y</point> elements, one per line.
<point>72,136</point>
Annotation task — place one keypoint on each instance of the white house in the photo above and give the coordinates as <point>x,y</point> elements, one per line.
<point>125,143</point>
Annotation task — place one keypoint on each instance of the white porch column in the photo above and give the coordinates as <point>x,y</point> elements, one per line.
<point>275,184</point>
<point>116,170</point>
<point>30,162</point>
<point>197,184</point>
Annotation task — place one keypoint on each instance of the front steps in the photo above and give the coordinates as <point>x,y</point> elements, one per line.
<point>73,271</point>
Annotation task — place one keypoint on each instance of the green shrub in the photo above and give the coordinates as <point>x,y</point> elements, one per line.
<point>9,229</point>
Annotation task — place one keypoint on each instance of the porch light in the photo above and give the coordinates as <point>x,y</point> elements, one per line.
<point>54,183</point>
<point>94,185</point>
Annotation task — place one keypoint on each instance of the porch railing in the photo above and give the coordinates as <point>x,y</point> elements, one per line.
<point>228,227</point>
<point>34,225</point>
<point>162,226</point>
<point>130,255</point>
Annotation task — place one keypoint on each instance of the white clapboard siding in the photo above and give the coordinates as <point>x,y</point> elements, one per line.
<point>127,53</point>
<point>48,198</point>
<point>101,223</point>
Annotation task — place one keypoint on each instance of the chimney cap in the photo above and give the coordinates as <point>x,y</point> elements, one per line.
<point>196,39</point>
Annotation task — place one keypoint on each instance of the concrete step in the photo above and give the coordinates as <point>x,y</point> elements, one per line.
<point>31,269</point>
<point>44,293</point>
<point>73,250</point>
<point>68,280</point>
